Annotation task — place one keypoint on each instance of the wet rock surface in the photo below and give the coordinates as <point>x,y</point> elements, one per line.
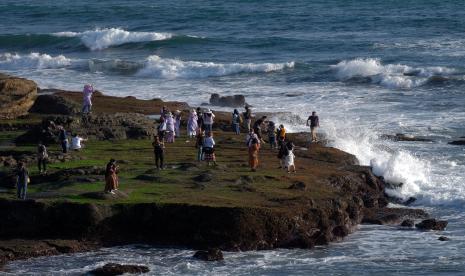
<point>111,269</point>
<point>405,137</point>
<point>228,101</point>
<point>432,224</point>
<point>214,254</point>
<point>392,216</point>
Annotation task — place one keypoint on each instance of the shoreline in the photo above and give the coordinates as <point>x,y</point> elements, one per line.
<point>322,205</point>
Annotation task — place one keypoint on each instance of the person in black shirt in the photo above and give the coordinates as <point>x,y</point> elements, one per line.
<point>63,139</point>
<point>257,128</point>
<point>42,157</point>
<point>159,151</point>
<point>313,121</point>
<point>22,179</point>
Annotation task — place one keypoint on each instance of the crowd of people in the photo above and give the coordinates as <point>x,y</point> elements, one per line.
<point>199,126</point>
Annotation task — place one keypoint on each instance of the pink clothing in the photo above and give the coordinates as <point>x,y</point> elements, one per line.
<point>87,93</point>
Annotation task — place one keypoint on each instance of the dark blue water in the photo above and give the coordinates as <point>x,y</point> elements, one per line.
<point>367,67</point>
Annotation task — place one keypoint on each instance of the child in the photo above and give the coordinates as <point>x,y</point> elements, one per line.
<point>289,158</point>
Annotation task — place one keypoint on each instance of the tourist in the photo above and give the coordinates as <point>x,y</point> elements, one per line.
<point>192,124</point>
<point>164,112</point>
<point>76,142</point>
<point>253,154</point>
<point>271,131</point>
<point>236,122</point>
<point>257,127</point>
<point>209,149</point>
<point>159,151</point>
<point>87,98</point>
<point>63,139</point>
<point>111,177</point>
<point>281,135</point>
<point>22,179</point>
<point>199,144</point>
<point>282,153</point>
<point>42,157</point>
<point>208,119</point>
<point>314,124</point>
<point>250,137</point>
<point>247,118</point>
<point>161,129</point>
<point>169,128</point>
<point>177,123</point>
<point>289,157</point>
<point>199,119</point>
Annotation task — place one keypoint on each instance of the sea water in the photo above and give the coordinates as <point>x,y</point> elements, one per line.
<point>367,67</point>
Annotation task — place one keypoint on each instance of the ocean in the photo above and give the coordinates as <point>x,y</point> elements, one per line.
<point>367,67</point>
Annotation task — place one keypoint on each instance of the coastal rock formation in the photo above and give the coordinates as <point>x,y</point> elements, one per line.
<point>432,224</point>
<point>16,96</point>
<point>112,269</point>
<point>228,101</point>
<point>404,137</point>
<point>457,143</point>
<point>209,255</point>
<point>408,223</point>
<point>53,104</point>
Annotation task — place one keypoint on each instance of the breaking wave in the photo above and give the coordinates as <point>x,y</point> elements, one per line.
<point>396,76</point>
<point>33,60</point>
<point>158,67</point>
<point>100,39</point>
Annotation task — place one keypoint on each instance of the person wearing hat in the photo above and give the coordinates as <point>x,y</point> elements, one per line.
<point>22,179</point>
<point>314,124</point>
<point>111,177</point>
<point>177,123</point>
<point>169,128</point>
<point>192,124</point>
<point>208,118</point>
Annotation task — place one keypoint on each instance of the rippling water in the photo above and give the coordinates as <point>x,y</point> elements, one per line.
<point>368,68</point>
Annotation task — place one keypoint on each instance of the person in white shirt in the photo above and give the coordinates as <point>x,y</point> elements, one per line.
<point>208,118</point>
<point>209,149</point>
<point>250,137</point>
<point>76,142</point>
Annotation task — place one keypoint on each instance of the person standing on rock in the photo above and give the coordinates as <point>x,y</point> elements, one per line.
<point>22,179</point>
<point>281,135</point>
<point>271,131</point>
<point>199,120</point>
<point>63,139</point>
<point>87,98</point>
<point>159,152</point>
<point>314,122</point>
<point>42,157</point>
<point>247,118</point>
<point>208,119</point>
<point>199,144</point>
<point>192,124</point>
<point>169,128</point>
<point>250,137</point>
<point>253,154</point>
<point>209,149</point>
<point>289,158</point>
<point>236,122</point>
<point>257,128</point>
<point>111,177</point>
<point>177,123</point>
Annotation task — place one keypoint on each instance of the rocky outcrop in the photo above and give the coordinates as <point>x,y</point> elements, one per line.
<point>404,137</point>
<point>457,143</point>
<point>53,104</point>
<point>209,255</point>
<point>228,101</point>
<point>16,96</point>
<point>111,269</point>
<point>432,224</point>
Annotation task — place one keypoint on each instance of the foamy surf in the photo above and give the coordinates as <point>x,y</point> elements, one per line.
<point>396,76</point>
<point>100,39</point>
<point>158,67</point>
<point>11,61</point>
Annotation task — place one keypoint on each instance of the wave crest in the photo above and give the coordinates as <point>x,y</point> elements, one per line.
<point>33,60</point>
<point>391,75</point>
<point>158,67</point>
<point>100,39</point>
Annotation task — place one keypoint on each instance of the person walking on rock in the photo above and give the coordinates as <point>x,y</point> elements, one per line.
<point>209,149</point>
<point>42,157</point>
<point>22,179</point>
<point>63,139</point>
<point>253,154</point>
<point>314,122</point>
<point>208,119</point>
<point>236,122</point>
<point>271,131</point>
<point>248,118</point>
<point>257,127</point>
<point>169,128</point>
<point>159,152</point>
<point>111,177</point>
<point>192,124</point>
<point>87,98</point>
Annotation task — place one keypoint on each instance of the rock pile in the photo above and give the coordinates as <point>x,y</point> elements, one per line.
<point>16,96</point>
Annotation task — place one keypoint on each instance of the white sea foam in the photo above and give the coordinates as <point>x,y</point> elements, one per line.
<point>99,39</point>
<point>158,67</point>
<point>391,75</point>
<point>10,61</point>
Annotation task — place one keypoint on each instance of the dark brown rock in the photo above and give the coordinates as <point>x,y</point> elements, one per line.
<point>211,255</point>
<point>457,143</point>
<point>443,238</point>
<point>405,138</point>
<point>229,101</point>
<point>16,96</point>
<point>298,185</point>
<point>432,224</point>
<point>111,269</point>
<point>408,223</point>
<point>53,104</point>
